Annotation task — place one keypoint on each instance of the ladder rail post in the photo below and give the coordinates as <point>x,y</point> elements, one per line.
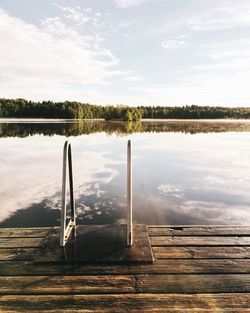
<point>129,197</point>
<point>64,190</point>
<point>67,229</point>
<point>71,186</point>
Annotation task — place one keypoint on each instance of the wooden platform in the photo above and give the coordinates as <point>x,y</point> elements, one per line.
<point>197,269</point>
<point>97,244</point>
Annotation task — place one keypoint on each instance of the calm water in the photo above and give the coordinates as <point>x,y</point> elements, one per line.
<point>184,172</point>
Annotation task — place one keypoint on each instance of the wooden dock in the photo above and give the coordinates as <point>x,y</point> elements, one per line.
<point>196,269</point>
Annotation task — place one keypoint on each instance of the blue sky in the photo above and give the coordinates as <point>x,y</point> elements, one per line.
<point>134,52</point>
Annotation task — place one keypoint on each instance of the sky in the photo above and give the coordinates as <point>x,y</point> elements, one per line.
<point>132,52</point>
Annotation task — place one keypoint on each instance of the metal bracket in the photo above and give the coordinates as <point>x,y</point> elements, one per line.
<point>67,229</point>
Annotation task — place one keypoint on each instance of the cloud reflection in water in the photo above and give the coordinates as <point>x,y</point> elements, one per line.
<point>179,178</point>
<point>32,168</point>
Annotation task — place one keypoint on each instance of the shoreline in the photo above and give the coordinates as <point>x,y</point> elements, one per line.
<point>45,120</point>
<point>225,120</point>
<point>154,120</point>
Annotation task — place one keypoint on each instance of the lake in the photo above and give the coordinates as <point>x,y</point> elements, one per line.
<point>184,172</point>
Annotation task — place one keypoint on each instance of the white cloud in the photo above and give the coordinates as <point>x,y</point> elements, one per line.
<point>172,44</point>
<point>76,14</point>
<point>133,78</point>
<point>222,52</point>
<point>215,212</point>
<point>178,41</point>
<point>206,16</point>
<point>82,16</point>
<point>37,61</point>
<point>223,15</point>
<point>171,190</point>
<point>128,3</point>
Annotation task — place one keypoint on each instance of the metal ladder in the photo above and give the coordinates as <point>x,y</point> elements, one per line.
<point>68,228</point>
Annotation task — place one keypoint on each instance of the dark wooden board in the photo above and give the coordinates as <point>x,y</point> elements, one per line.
<point>13,242</point>
<point>199,241</point>
<point>218,283</point>
<point>105,243</point>
<point>200,231</point>
<point>205,266</point>
<point>66,284</point>
<point>143,303</point>
<point>169,252</point>
<point>195,266</point>
<point>17,254</point>
<point>231,252</point>
<point>179,252</point>
<point>37,232</point>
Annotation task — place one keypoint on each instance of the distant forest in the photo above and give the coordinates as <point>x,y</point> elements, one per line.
<point>22,108</point>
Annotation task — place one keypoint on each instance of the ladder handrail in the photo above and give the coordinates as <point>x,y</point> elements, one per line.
<point>67,229</point>
<point>129,197</point>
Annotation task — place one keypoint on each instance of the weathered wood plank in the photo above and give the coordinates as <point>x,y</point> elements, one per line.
<point>155,241</point>
<point>159,252</point>
<point>199,241</point>
<point>193,283</point>
<point>37,232</point>
<point>27,254</point>
<point>199,266</point>
<point>200,231</point>
<point>20,242</point>
<point>17,254</point>
<point>153,231</point>
<point>195,266</point>
<point>201,252</point>
<point>176,303</point>
<point>66,284</point>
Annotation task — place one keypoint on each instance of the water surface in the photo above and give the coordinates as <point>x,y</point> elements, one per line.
<point>184,172</point>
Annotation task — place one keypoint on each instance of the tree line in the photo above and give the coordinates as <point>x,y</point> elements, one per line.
<point>194,112</point>
<point>22,108</point>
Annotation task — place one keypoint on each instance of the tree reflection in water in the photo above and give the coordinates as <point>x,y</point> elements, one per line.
<point>77,128</point>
